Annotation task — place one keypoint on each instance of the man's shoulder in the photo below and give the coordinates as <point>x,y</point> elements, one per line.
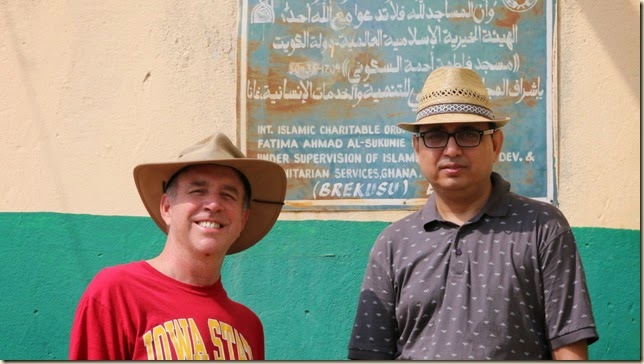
<point>124,268</point>
<point>411,219</point>
<point>116,275</point>
<point>242,310</point>
<point>524,202</point>
<point>403,226</point>
<point>537,210</point>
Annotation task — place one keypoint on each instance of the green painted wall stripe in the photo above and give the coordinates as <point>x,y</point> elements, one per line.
<point>302,279</point>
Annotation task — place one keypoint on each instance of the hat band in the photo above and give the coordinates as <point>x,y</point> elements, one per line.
<point>455,108</point>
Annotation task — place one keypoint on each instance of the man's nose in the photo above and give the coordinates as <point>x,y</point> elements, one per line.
<point>452,147</point>
<point>212,203</point>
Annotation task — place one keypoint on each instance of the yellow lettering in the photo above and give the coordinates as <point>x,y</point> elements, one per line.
<point>200,352</point>
<point>178,331</point>
<point>147,341</point>
<point>215,332</point>
<point>161,343</point>
<point>247,348</point>
<point>228,336</point>
<point>241,355</point>
<point>188,343</point>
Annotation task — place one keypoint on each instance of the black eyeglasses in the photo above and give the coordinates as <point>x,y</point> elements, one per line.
<point>464,138</point>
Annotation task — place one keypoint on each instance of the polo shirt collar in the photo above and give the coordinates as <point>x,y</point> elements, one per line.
<point>497,204</point>
<point>499,201</point>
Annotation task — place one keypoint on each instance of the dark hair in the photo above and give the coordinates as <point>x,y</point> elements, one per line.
<point>169,187</point>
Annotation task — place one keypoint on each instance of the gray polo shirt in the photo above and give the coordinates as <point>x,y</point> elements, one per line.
<point>509,284</point>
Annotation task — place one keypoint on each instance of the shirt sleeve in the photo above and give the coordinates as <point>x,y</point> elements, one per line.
<point>95,334</point>
<point>568,310</point>
<point>375,330</point>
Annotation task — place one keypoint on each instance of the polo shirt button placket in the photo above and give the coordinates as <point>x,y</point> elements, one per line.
<point>457,267</point>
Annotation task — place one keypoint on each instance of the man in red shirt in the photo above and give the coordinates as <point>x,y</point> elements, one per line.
<point>211,201</point>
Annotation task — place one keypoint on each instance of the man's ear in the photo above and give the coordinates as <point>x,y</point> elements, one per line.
<point>414,142</point>
<point>164,207</point>
<point>497,143</point>
<point>245,215</point>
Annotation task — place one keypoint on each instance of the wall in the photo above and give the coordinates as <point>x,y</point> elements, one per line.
<point>90,89</point>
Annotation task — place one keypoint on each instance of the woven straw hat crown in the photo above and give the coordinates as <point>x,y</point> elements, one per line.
<point>453,95</point>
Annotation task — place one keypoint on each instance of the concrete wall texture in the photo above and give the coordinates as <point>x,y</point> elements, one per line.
<point>90,89</point>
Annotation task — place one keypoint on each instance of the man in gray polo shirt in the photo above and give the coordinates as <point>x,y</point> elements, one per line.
<point>479,272</point>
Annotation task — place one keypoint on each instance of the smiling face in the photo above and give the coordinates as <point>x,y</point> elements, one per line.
<point>204,210</point>
<point>459,171</point>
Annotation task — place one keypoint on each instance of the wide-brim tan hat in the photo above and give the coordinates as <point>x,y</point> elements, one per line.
<point>267,180</point>
<point>453,95</point>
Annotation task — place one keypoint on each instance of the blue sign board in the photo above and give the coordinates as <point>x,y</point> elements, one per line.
<point>322,84</point>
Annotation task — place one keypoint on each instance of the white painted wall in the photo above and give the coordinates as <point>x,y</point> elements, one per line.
<point>599,112</point>
<point>88,89</point>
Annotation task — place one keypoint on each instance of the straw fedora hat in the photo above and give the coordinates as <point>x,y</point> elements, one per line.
<point>267,181</point>
<point>453,95</point>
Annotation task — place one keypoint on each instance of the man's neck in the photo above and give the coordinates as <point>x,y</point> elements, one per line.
<point>197,272</point>
<point>459,208</point>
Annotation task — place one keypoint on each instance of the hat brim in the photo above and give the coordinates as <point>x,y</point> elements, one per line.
<point>268,190</point>
<point>451,118</point>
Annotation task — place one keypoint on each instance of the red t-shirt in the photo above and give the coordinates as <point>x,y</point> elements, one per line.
<point>133,311</point>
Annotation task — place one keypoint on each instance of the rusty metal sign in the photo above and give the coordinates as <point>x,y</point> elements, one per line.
<point>322,84</point>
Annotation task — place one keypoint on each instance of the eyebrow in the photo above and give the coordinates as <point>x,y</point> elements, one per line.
<point>203,183</point>
<point>197,184</point>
